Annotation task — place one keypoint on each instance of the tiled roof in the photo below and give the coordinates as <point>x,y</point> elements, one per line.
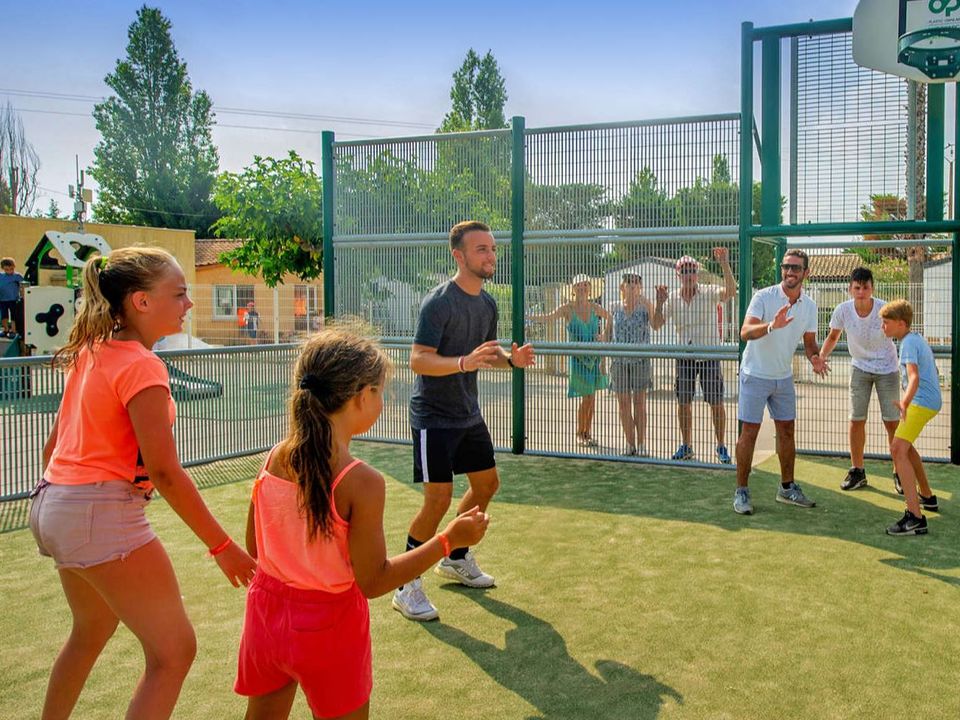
<point>207,252</point>
<point>833,267</point>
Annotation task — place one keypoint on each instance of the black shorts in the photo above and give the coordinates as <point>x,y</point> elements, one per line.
<point>441,453</point>
<point>711,381</point>
<point>8,309</point>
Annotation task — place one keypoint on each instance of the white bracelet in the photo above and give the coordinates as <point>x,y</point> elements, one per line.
<point>769,327</point>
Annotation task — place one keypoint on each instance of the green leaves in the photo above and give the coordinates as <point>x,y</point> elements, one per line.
<point>478,95</point>
<point>276,207</point>
<point>156,161</point>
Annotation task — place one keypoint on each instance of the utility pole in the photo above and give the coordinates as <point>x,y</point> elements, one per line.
<point>81,196</point>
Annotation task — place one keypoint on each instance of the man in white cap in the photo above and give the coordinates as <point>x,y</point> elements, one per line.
<point>693,309</point>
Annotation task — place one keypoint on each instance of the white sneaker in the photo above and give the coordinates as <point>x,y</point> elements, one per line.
<point>411,602</point>
<point>466,572</point>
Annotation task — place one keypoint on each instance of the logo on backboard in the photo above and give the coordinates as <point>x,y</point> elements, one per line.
<point>948,7</point>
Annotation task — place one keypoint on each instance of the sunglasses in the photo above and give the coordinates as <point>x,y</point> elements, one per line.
<point>791,267</point>
<point>688,270</point>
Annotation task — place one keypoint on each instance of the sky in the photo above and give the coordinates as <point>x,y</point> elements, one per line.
<point>378,69</point>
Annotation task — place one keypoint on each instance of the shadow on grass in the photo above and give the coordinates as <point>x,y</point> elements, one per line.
<point>535,665</point>
<point>706,497</point>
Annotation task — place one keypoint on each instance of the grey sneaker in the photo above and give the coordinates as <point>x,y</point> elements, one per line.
<point>741,501</point>
<point>411,602</point>
<point>466,572</point>
<point>793,495</point>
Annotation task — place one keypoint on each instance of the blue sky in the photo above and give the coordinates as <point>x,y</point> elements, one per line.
<point>563,62</point>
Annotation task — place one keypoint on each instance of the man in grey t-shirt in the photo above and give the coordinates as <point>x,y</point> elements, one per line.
<point>455,337</point>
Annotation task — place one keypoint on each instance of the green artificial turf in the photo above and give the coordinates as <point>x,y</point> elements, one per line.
<point>624,591</point>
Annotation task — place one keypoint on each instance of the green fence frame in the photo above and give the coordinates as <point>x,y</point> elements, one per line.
<point>769,151</point>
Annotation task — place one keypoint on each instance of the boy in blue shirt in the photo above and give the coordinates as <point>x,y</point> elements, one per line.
<point>9,295</point>
<point>919,403</point>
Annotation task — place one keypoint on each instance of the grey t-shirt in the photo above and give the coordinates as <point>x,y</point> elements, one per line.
<point>455,323</point>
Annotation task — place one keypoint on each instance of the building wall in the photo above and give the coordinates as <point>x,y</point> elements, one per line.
<point>282,310</point>
<point>20,235</point>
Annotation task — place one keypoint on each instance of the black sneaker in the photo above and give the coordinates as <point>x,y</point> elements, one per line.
<point>856,478</point>
<point>909,524</point>
<point>896,484</point>
<point>929,503</point>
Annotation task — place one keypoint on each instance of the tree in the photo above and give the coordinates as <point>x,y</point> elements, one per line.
<point>156,162</point>
<point>19,163</point>
<point>276,208</point>
<point>478,96</point>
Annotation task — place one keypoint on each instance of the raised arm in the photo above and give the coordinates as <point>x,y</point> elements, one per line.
<point>602,312</point>
<point>722,256</point>
<point>657,318</point>
<point>562,311</point>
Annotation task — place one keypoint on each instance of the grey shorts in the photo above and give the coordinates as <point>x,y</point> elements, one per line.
<point>628,376</point>
<point>80,526</point>
<point>779,396</point>
<point>888,392</point>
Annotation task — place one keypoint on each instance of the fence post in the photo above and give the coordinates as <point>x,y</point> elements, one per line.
<point>326,170</point>
<point>276,315</point>
<point>935,130</point>
<point>955,305</point>
<point>746,173</point>
<point>517,211</point>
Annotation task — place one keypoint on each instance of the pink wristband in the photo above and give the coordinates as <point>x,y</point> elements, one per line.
<point>220,548</point>
<point>444,543</point>
<point>460,364</point>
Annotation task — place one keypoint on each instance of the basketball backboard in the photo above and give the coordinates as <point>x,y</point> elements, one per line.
<point>915,39</point>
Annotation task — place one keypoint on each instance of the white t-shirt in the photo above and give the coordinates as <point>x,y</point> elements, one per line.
<point>870,350</point>
<point>771,356</point>
<point>695,321</point>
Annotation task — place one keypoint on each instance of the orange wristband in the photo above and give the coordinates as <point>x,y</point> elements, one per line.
<point>220,548</point>
<point>445,543</point>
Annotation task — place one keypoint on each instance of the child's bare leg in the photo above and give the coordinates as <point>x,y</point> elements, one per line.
<point>900,450</point>
<point>920,472</point>
<point>272,706</point>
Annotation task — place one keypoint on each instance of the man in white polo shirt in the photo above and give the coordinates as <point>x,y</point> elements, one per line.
<point>777,318</point>
<point>693,309</point>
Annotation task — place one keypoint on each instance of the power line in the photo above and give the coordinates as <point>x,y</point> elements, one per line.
<point>48,95</point>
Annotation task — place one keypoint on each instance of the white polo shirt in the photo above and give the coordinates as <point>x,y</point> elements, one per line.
<point>771,356</point>
<point>695,321</point>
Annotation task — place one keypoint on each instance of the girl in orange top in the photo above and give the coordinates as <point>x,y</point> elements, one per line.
<point>316,527</point>
<point>111,444</point>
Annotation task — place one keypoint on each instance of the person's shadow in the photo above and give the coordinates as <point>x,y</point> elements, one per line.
<point>536,666</point>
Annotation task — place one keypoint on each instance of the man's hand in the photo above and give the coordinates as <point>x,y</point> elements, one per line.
<point>522,357</point>
<point>483,356</point>
<point>721,255</point>
<point>780,320</point>
<point>820,366</point>
<point>662,294</point>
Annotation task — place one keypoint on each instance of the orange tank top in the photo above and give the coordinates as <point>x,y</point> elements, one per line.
<point>283,548</point>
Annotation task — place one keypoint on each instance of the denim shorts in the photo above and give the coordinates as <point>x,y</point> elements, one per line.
<point>779,396</point>
<point>80,526</point>
<point>888,393</point>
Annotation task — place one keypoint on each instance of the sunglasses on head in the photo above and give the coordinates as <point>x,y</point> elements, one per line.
<point>791,267</point>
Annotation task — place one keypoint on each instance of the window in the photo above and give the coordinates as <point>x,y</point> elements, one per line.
<point>227,298</point>
<point>306,306</point>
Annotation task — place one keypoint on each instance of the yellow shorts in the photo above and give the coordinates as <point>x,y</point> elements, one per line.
<point>910,427</point>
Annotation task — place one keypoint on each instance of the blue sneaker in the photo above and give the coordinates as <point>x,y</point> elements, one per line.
<point>741,501</point>
<point>722,454</point>
<point>684,452</point>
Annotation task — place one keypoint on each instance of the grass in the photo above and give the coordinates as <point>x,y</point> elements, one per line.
<point>624,592</point>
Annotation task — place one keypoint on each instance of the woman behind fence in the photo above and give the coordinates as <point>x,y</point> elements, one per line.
<point>110,446</point>
<point>630,378</point>
<point>583,317</point>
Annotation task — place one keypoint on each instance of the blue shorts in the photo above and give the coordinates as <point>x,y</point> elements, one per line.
<point>779,396</point>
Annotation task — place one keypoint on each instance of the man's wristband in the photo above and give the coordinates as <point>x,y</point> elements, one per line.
<point>510,362</point>
<point>460,364</point>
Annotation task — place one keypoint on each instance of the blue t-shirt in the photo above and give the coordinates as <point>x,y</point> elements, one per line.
<point>914,350</point>
<point>455,323</point>
<point>10,286</point>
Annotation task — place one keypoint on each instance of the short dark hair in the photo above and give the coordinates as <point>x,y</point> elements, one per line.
<point>800,254</point>
<point>861,275</point>
<point>462,228</point>
<point>7,262</point>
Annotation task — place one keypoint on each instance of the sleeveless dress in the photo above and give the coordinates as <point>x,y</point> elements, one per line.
<point>631,374</point>
<point>585,376</point>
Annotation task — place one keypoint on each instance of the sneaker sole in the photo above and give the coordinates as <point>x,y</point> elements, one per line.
<point>859,484</point>
<point>453,575</point>
<point>915,531</point>
<point>787,501</point>
<point>743,512</point>
<point>410,616</point>
<point>930,509</point>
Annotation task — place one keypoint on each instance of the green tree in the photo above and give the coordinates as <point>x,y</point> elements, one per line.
<point>156,162</point>
<point>477,97</point>
<point>276,208</point>
<point>644,205</point>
